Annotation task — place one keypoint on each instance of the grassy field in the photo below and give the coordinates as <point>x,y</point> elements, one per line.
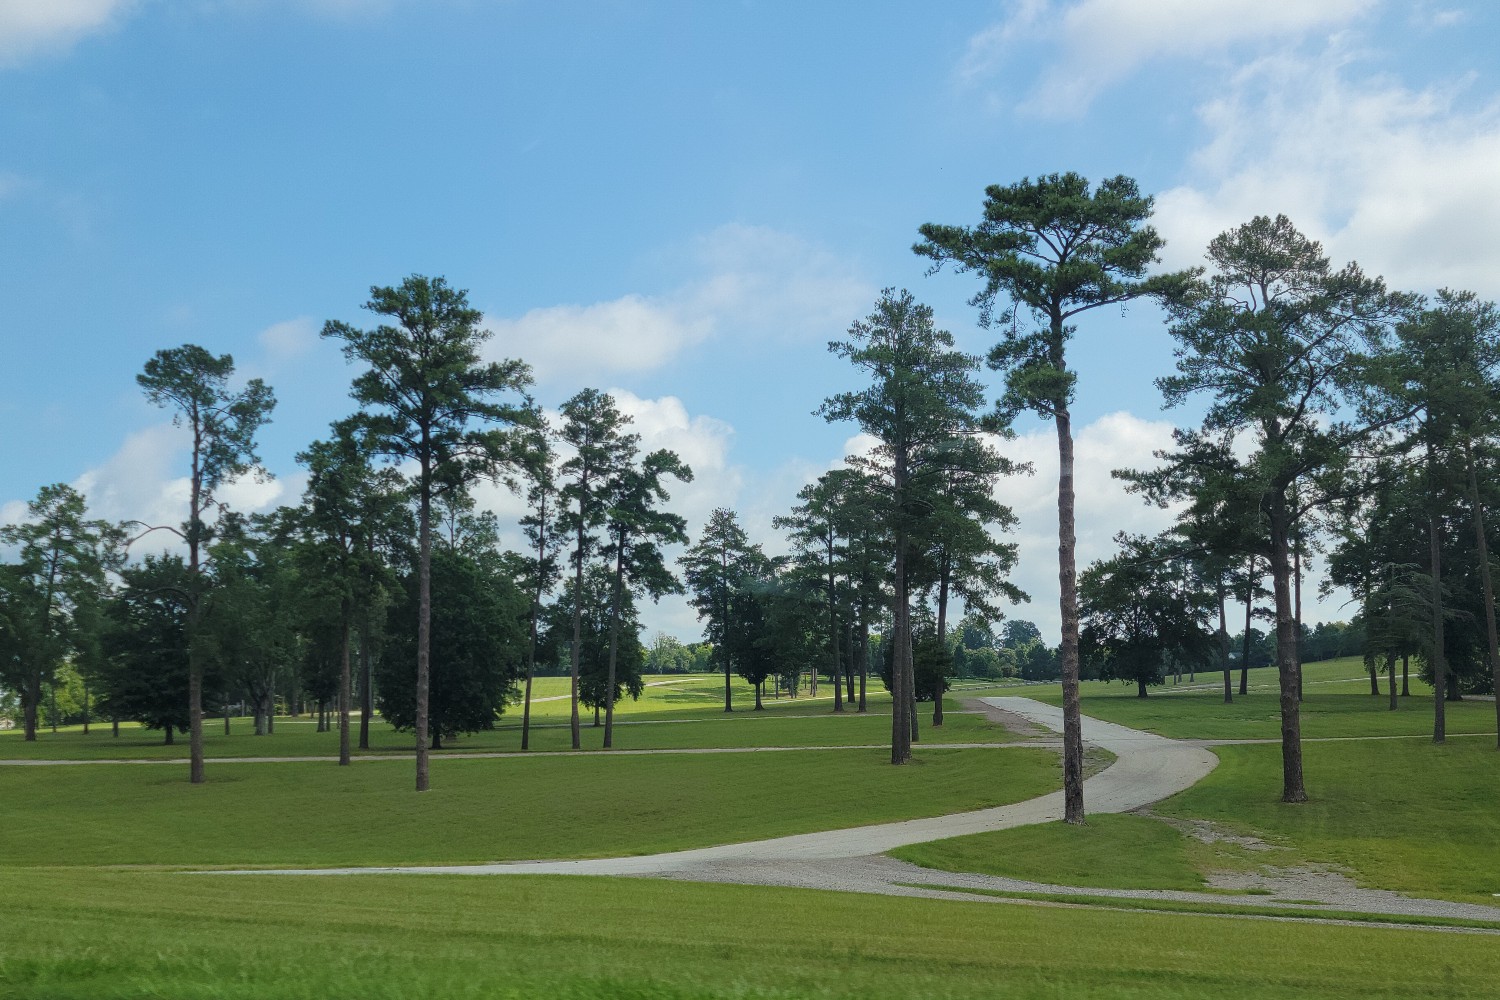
<point>1399,814</point>
<point>684,713</point>
<point>485,810</point>
<point>1336,703</point>
<point>106,935</point>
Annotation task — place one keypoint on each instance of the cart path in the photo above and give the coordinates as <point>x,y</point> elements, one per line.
<point>1147,769</point>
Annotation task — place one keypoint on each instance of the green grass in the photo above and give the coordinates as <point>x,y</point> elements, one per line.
<point>1179,906</point>
<point>1395,814</point>
<point>102,936</point>
<point>676,716</point>
<point>485,810</point>
<point>1408,816</point>
<point>1337,703</point>
<point>1112,851</point>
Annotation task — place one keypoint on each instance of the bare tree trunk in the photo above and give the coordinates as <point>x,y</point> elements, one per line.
<point>168,741</point>
<point>942,636</point>
<point>577,630</point>
<point>1249,620</point>
<point>1439,663</point>
<point>1224,643</point>
<point>864,660</point>
<point>900,631</point>
<point>366,694</point>
<point>86,709</point>
<point>1292,787</point>
<point>1067,577</point>
<point>614,634</point>
<point>1486,580</point>
<point>833,637</point>
<point>1405,675</point>
<point>1390,670</point>
<point>424,624</point>
<point>1297,579</point>
<point>345,688</point>
<point>30,701</point>
<point>848,664</point>
<point>758,689</point>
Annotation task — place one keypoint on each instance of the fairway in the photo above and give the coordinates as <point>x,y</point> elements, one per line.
<point>72,830</point>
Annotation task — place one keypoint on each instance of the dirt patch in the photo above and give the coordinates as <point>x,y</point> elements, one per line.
<point>1205,832</point>
<point>1012,721</point>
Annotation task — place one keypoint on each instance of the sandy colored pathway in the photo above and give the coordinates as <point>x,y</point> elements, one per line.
<point>1148,768</point>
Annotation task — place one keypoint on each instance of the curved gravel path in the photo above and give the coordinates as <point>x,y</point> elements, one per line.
<point>1147,768</point>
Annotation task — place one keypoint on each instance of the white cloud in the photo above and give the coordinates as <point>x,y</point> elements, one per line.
<point>140,482</point>
<point>32,27</point>
<point>751,280</point>
<point>1401,180</point>
<point>1100,42</point>
<point>288,340</point>
<point>629,334</point>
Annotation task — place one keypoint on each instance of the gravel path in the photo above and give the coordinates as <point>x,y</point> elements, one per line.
<point>1147,768</point>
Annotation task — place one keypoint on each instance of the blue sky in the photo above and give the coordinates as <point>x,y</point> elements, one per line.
<point>681,202</point>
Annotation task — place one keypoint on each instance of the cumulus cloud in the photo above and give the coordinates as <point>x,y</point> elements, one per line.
<point>1400,179</point>
<point>141,482</point>
<point>34,27</point>
<point>749,279</point>
<point>1100,42</point>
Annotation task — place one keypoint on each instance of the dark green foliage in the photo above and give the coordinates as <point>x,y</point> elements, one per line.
<point>144,676</point>
<point>556,639</point>
<point>50,596</point>
<point>478,647</point>
<point>1144,611</point>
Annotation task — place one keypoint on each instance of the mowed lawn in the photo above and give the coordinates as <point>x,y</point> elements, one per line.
<point>1336,702</point>
<point>95,935</point>
<point>682,714</point>
<point>1401,814</point>
<point>296,814</point>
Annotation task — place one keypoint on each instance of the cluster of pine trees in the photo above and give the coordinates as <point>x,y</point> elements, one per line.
<point>1341,418</point>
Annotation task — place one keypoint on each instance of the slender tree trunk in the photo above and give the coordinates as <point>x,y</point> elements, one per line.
<point>366,694</point>
<point>1486,580</point>
<point>848,664</point>
<point>1249,618</point>
<point>1297,580</point>
<point>1067,577</point>
<point>1224,643</point>
<point>1140,688</point>
<point>1292,787</point>
<point>614,635</point>
<point>758,688</point>
<point>226,715</point>
<point>833,636</point>
<point>85,708</point>
<point>168,741</point>
<point>424,621</point>
<point>1439,659</point>
<point>942,636</point>
<point>345,688</point>
<point>864,659</point>
<point>114,726</point>
<point>724,628</point>
<point>900,632</point>
<point>1405,675</point>
<point>1390,671</point>
<point>1374,670</point>
<point>577,629</point>
<point>30,702</point>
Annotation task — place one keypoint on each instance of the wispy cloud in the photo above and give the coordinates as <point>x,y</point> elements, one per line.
<point>751,279</point>
<point>30,28</point>
<point>1400,179</point>
<point>1095,43</point>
